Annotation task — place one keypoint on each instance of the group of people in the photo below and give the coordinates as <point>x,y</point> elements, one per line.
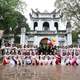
<point>31,56</point>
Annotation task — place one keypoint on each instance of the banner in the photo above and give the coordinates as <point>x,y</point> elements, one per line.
<point>52,40</point>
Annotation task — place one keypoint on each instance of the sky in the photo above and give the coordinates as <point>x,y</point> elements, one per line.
<point>41,5</point>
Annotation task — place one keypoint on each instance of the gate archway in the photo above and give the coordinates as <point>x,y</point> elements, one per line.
<point>44,41</point>
<point>46,26</point>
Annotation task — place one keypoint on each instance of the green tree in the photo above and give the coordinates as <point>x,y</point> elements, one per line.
<point>7,13</point>
<point>10,17</point>
<point>74,36</point>
<point>18,21</point>
<point>71,10</point>
<point>11,20</point>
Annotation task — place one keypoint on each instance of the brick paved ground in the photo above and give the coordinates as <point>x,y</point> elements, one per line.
<point>40,72</point>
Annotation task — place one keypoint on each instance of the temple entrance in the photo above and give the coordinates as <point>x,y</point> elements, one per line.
<point>44,41</point>
<point>45,26</point>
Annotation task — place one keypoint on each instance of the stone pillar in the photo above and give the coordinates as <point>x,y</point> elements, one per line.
<point>69,39</point>
<point>57,39</point>
<point>2,44</point>
<point>69,33</point>
<point>36,41</point>
<point>12,41</point>
<point>22,37</point>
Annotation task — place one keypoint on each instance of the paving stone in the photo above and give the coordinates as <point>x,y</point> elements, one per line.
<point>40,72</point>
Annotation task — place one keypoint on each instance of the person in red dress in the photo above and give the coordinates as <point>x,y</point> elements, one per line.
<point>58,58</point>
<point>5,60</point>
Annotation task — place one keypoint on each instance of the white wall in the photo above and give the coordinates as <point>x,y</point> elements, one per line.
<point>37,40</point>
<point>40,25</point>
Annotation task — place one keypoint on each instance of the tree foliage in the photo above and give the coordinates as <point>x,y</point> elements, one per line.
<point>18,21</point>
<point>11,20</point>
<point>10,17</point>
<point>74,36</point>
<point>70,9</point>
